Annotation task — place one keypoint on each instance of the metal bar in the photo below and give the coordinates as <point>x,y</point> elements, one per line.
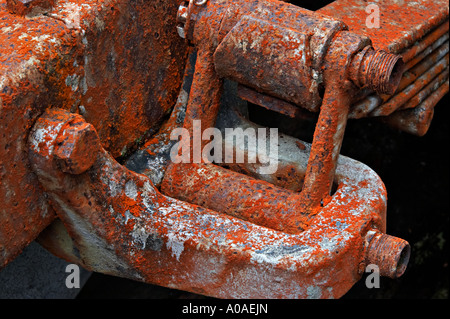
<point>402,24</point>
<point>325,149</point>
<point>412,74</point>
<point>268,102</point>
<point>204,99</point>
<point>426,42</point>
<point>286,73</point>
<point>417,121</point>
<point>426,91</point>
<point>422,55</point>
<point>235,194</point>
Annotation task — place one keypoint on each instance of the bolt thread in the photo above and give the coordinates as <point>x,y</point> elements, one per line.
<point>382,71</point>
<point>377,70</point>
<point>389,253</point>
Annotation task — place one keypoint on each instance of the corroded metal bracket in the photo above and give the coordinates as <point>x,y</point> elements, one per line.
<point>120,224</point>
<point>322,217</point>
<point>292,54</point>
<point>90,57</point>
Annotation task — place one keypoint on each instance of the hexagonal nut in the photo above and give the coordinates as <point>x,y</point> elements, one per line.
<point>77,147</point>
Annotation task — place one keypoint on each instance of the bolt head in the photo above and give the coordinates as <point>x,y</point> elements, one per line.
<point>77,147</point>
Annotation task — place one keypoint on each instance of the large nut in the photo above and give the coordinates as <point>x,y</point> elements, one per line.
<point>77,147</point>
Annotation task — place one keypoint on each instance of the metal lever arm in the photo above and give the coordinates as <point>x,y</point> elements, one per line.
<point>119,224</point>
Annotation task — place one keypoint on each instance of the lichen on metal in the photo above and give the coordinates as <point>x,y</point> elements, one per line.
<point>90,92</point>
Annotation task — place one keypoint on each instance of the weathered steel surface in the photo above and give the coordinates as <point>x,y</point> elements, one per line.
<point>28,49</point>
<point>273,59</point>
<point>24,7</point>
<point>418,119</point>
<point>117,63</point>
<point>413,81</point>
<point>289,53</point>
<point>139,233</point>
<point>402,23</point>
<point>237,195</point>
<point>418,31</point>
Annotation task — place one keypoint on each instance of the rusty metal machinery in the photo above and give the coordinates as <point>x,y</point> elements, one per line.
<point>90,92</point>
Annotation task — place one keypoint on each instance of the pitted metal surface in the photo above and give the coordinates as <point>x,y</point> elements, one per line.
<point>92,93</point>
